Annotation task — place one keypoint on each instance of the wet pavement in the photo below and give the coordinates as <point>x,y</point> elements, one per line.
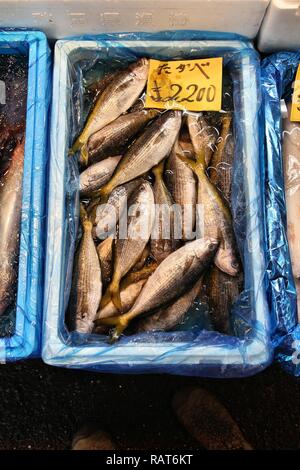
<point>41,407</point>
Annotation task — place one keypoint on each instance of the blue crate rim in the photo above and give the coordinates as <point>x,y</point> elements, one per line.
<point>23,342</point>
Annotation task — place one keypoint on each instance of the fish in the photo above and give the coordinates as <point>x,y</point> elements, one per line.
<point>291,167</point>
<point>116,136</point>
<point>108,214</point>
<point>181,182</point>
<point>129,246</point>
<point>203,135</point>
<point>169,317</point>
<point>220,288</point>
<point>97,88</point>
<point>148,150</point>
<point>105,253</point>
<point>220,166</point>
<point>86,289</point>
<point>222,291</point>
<point>214,216</point>
<point>10,225</point>
<point>133,277</point>
<point>171,279</point>
<point>128,295</point>
<point>97,175</point>
<point>119,95</point>
<point>162,241</point>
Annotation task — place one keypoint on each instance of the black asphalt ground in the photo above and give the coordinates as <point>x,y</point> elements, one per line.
<point>41,407</point>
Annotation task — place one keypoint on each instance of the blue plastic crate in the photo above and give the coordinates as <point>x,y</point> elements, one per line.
<point>278,73</point>
<point>203,353</point>
<point>26,339</point>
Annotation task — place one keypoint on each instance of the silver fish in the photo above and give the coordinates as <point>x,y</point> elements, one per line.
<point>169,317</point>
<point>203,135</point>
<point>215,220</point>
<point>105,253</point>
<point>162,236</point>
<point>181,183</point>
<point>128,249</point>
<point>97,175</point>
<point>116,136</point>
<point>86,283</point>
<point>147,151</point>
<point>10,220</point>
<point>108,214</point>
<point>116,99</point>
<point>172,278</point>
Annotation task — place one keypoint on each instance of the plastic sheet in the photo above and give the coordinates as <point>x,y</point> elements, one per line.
<point>278,74</point>
<point>23,338</point>
<point>188,351</point>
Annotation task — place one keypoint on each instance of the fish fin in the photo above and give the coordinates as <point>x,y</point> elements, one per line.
<point>121,325</point>
<point>118,322</point>
<point>109,321</point>
<point>226,123</point>
<point>92,208</point>
<point>197,166</point>
<point>76,147</point>
<point>102,194</point>
<point>114,290</point>
<point>83,213</point>
<point>106,298</point>
<point>84,155</point>
<point>200,159</point>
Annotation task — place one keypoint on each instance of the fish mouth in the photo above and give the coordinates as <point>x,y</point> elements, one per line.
<point>141,67</point>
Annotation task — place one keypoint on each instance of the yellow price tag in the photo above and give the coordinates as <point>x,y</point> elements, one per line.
<point>195,85</point>
<point>295,112</point>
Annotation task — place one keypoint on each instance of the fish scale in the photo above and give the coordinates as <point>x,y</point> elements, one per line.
<point>181,183</point>
<point>114,137</point>
<point>147,151</point>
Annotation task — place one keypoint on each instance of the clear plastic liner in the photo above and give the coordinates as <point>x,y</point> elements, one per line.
<point>282,182</point>
<point>192,348</point>
<point>25,99</point>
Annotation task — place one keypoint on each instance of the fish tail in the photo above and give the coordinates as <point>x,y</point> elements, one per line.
<point>114,290</point>
<point>197,166</point>
<point>200,159</point>
<point>102,193</point>
<point>226,122</point>
<point>106,298</point>
<point>76,146</point>
<point>84,155</point>
<point>84,218</point>
<point>158,170</point>
<point>119,322</point>
<point>110,321</point>
<point>92,208</point>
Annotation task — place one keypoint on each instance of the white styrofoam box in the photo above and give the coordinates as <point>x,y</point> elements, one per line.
<point>280,29</point>
<point>61,18</point>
